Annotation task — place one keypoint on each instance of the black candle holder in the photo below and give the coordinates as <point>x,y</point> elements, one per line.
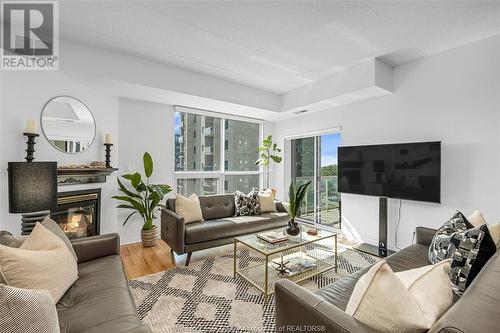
<point>108,154</point>
<point>30,150</point>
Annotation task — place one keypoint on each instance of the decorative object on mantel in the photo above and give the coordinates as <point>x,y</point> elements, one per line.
<point>144,198</point>
<point>295,197</point>
<point>31,133</point>
<point>68,124</point>
<point>268,152</point>
<point>32,191</point>
<point>108,143</point>
<point>95,172</point>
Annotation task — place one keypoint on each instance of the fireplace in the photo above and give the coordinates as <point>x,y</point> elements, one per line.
<point>78,213</point>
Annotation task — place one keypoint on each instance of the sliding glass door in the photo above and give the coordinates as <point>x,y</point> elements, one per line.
<point>315,159</point>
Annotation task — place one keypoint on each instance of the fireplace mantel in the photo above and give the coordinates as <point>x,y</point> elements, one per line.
<point>74,176</point>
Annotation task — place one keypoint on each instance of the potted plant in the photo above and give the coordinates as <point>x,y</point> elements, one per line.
<point>295,197</point>
<point>269,151</point>
<point>143,198</point>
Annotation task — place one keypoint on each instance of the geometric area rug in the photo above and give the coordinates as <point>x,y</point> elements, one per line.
<point>204,297</point>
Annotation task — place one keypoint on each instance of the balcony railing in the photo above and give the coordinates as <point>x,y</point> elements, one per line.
<point>329,199</point>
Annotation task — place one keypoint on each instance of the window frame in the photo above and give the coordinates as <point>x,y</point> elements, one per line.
<point>222,173</point>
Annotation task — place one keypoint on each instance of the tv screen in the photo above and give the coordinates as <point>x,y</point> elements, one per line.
<point>410,171</point>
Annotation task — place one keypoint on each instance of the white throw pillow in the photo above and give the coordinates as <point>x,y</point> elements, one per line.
<point>26,310</point>
<point>395,303</point>
<point>494,230</point>
<point>431,288</point>
<point>188,208</point>
<point>42,262</point>
<point>266,199</point>
<point>477,219</point>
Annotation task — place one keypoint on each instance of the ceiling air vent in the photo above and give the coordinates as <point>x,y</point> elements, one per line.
<point>301,111</point>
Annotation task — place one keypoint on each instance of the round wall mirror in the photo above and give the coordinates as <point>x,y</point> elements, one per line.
<point>68,124</point>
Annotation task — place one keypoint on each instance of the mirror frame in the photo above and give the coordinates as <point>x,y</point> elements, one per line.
<point>45,134</point>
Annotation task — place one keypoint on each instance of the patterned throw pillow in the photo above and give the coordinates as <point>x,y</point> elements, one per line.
<point>26,310</point>
<point>247,204</point>
<point>441,248</point>
<point>472,250</point>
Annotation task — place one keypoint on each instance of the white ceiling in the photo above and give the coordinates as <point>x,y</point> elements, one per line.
<point>277,46</point>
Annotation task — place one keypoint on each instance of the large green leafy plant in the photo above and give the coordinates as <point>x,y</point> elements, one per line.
<point>295,197</point>
<point>142,198</point>
<point>269,151</point>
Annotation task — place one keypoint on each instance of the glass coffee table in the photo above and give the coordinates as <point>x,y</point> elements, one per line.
<point>297,259</point>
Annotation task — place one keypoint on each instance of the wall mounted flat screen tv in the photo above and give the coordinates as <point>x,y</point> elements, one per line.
<point>410,171</point>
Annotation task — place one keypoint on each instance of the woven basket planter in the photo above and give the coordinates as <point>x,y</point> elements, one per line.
<point>149,237</point>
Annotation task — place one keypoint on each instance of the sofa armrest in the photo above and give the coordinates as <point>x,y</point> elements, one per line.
<point>280,207</point>
<point>95,247</point>
<point>298,309</point>
<point>425,235</point>
<point>173,230</point>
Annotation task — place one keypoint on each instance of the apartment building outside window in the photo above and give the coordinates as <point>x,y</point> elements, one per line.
<point>222,156</point>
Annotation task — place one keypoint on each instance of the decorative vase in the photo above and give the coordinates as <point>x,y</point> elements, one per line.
<point>293,228</point>
<point>149,237</point>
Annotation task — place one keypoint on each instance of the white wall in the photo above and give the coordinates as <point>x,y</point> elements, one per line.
<point>22,97</point>
<point>453,97</point>
<point>145,127</point>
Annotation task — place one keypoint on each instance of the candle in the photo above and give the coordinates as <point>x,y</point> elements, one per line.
<point>107,138</point>
<point>31,126</point>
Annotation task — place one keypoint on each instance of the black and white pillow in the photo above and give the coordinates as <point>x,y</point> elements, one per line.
<point>247,204</point>
<point>472,250</point>
<point>441,248</point>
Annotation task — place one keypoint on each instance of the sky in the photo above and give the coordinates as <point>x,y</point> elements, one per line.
<point>329,144</point>
<point>177,123</point>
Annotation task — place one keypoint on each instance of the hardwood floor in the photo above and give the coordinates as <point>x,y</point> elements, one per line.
<point>140,261</point>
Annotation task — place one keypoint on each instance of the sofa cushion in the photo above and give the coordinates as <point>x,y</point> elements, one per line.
<point>43,261</point>
<point>100,300</point>
<point>407,307</point>
<point>188,208</point>
<point>247,204</point>
<point>441,248</point>
<point>266,199</point>
<point>473,249</point>
<point>232,226</point>
<point>212,206</point>
<point>24,310</point>
<point>338,293</point>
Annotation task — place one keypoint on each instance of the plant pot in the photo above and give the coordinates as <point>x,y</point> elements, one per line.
<point>149,237</point>
<point>293,228</point>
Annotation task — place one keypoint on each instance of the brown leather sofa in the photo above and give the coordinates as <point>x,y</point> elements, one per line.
<point>478,310</point>
<point>100,300</point>
<point>219,227</point>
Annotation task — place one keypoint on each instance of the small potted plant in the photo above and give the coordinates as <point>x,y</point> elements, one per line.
<point>295,197</point>
<point>143,198</point>
<point>269,151</point>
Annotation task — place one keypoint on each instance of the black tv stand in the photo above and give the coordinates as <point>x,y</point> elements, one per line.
<point>381,250</point>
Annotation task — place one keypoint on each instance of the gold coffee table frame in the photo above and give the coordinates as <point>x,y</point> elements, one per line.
<point>318,247</point>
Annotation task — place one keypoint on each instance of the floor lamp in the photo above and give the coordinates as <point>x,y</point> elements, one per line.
<point>32,191</point>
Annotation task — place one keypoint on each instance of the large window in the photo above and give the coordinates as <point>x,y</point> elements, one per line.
<point>214,154</point>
